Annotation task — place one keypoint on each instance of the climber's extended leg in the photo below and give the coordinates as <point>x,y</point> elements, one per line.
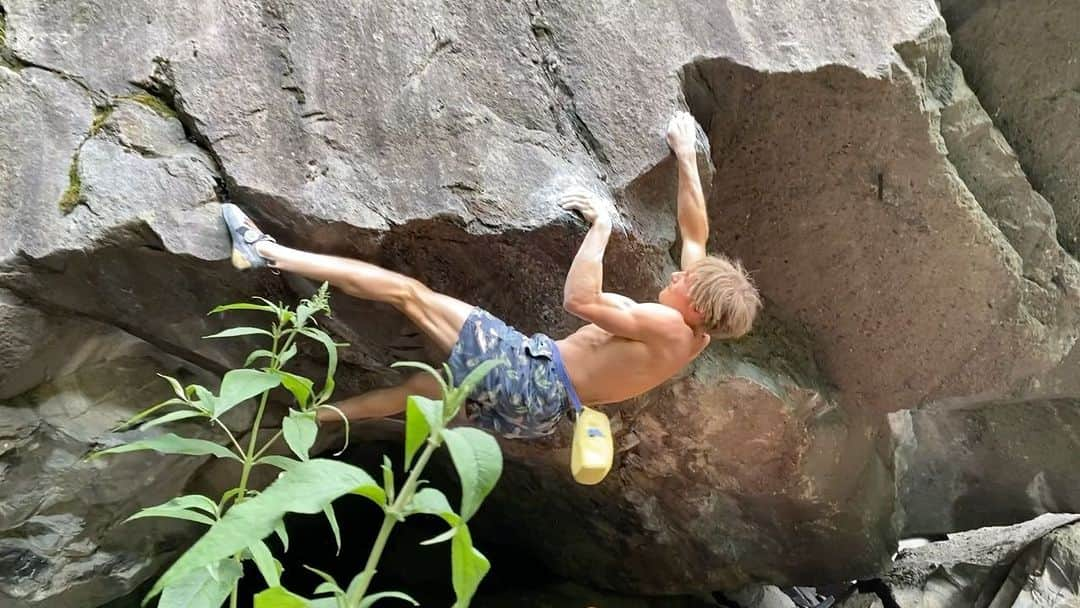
<point>437,315</point>
<point>384,402</point>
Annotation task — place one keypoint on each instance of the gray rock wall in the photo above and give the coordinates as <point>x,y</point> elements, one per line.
<point>903,227</point>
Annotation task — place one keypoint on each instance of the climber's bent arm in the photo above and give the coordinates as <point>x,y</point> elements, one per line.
<point>583,294</point>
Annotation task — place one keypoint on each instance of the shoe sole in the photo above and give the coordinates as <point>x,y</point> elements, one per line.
<point>244,255</point>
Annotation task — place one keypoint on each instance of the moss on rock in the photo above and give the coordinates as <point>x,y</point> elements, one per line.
<point>154,104</point>
<point>101,114</point>
<point>73,195</point>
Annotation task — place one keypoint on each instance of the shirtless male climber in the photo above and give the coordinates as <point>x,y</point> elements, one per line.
<point>626,349</point>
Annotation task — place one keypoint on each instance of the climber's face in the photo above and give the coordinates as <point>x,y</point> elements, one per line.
<point>677,296</point>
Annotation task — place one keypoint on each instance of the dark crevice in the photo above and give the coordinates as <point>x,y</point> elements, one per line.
<point>881,590</point>
<point>565,107</point>
<point>698,92</point>
<point>161,87</point>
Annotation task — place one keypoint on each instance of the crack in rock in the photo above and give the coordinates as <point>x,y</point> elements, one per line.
<point>551,67</point>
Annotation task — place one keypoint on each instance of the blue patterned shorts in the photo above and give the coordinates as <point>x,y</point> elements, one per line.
<point>523,399</point>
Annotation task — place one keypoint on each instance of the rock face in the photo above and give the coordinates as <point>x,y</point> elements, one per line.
<point>1033,564</point>
<point>959,469</point>
<point>61,538</point>
<point>1040,123</point>
<point>907,257</point>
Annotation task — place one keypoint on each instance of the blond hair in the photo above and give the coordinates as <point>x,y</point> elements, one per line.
<point>722,292</point>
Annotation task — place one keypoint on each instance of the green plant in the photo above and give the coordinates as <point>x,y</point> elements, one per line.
<point>239,521</point>
<point>72,195</point>
<point>154,103</point>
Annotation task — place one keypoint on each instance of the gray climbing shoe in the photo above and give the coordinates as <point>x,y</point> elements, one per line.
<point>244,235</point>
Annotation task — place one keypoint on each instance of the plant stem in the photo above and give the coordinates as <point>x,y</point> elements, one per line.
<point>389,520</point>
<point>239,450</point>
<point>269,443</point>
<point>249,458</point>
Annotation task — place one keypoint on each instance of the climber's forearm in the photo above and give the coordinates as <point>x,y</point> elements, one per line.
<point>693,215</point>
<point>585,281</point>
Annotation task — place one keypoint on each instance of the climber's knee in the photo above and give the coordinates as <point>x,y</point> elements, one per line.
<point>410,295</point>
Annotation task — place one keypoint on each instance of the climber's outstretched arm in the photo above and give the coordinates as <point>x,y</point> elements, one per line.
<point>583,294</point>
<point>693,216</point>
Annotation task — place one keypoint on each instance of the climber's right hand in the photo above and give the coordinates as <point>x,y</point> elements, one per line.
<point>588,205</point>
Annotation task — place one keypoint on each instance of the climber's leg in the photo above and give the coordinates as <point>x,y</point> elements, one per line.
<point>437,315</point>
<point>384,402</point>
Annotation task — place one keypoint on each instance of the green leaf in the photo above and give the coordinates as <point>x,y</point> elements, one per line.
<point>478,461</point>
<point>325,588</point>
<point>427,368</point>
<point>171,513</point>
<point>303,313</point>
<point>234,332</point>
<point>332,519</point>
<point>282,462</point>
<point>458,396</point>
<point>242,306</point>
<point>442,538</point>
<point>148,412</point>
<point>239,385</point>
<point>308,488</point>
<point>388,478</point>
<point>203,588</point>
<point>422,416</point>
<point>171,417</point>
<point>181,508</point>
<point>279,597</point>
<point>467,566</point>
<point>175,384</point>
<point>431,501</point>
<point>266,563</point>
<point>374,493</point>
<point>300,430</point>
<point>286,355</point>
<point>196,501</point>
<point>299,386</point>
<point>331,358</point>
<point>370,600</point>
<point>206,401</point>
<point>283,536</point>
<point>329,585</point>
<point>255,355</point>
<point>173,444</point>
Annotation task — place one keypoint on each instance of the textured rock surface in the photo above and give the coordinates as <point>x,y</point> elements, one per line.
<point>959,469</point>
<point>1033,564</point>
<point>906,259</point>
<point>61,538</point>
<point>1031,48</point>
